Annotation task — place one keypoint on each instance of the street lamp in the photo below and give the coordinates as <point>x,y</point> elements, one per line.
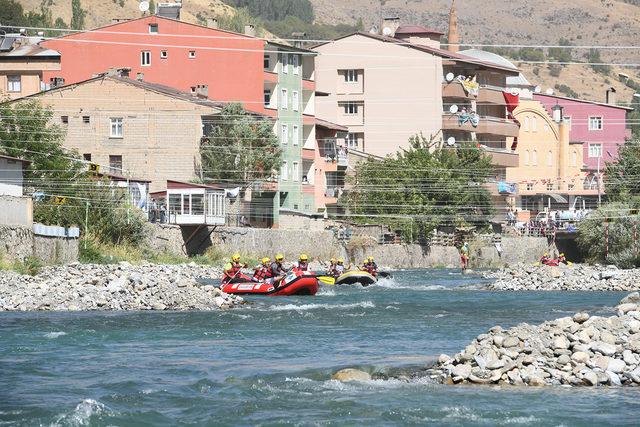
<point>557,113</point>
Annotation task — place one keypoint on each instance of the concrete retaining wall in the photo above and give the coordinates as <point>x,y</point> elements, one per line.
<point>323,245</point>
<point>16,211</point>
<point>19,243</point>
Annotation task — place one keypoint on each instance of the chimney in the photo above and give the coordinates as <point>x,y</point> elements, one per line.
<point>453,38</point>
<point>611,96</point>
<point>118,72</point>
<point>202,91</point>
<point>390,25</point>
<point>212,23</point>
<point>140,77</point>
<point>250,30</point>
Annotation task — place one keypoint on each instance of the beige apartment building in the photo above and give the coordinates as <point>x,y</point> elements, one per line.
<point>132,128</point>
<point>22,63</point>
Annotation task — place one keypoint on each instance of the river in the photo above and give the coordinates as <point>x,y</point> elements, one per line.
<point>270,362</point>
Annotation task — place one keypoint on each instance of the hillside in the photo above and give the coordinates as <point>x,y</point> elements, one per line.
<point>102,12</point>
<point>541,22</point>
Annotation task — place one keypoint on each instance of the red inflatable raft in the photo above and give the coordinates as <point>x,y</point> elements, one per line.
<point>294,283</point>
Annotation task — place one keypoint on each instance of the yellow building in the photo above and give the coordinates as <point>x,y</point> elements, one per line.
<point>549,173</point>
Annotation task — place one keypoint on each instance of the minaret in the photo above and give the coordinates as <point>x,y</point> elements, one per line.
<point>453,39</point>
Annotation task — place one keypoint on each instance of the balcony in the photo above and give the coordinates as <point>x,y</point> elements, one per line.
<point>486,125</point>
<point>502,157</point>
<point>487,94</point>
<point>308,85</point>
<point>308,154</point>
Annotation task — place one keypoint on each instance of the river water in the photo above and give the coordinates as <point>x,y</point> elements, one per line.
<point>270,362</point>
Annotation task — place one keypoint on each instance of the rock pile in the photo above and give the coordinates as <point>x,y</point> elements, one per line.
<point>577,277</point>
<point>114,287</point>
<point>581,350</point>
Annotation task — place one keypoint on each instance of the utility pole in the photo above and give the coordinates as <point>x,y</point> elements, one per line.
<point>599,184</point>
<point>86,223</point>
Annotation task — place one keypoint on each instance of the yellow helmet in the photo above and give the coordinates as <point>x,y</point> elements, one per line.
<point>235,257</point>
<point>370,259</point>
<point>303,257</point>
<point>546,254</point>
<point>365,261</point>
<point>561,254</point>
<point>333,260</point>
<point>265,260</point>
<point>340,261</point>
<point>279,257</point>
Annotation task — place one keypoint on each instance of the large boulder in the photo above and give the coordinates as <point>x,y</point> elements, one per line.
<point>350,374</point>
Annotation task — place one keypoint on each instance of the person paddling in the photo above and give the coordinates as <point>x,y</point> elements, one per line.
<point>232,270</point>
<point>262,272</point>
<point>302,264</point>
<point>340,268</point>
<point>370,266</point>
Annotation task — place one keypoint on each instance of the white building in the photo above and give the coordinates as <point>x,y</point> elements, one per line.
<point>15,209</point>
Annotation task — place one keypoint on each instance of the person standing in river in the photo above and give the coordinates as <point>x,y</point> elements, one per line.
<point>464,256</point>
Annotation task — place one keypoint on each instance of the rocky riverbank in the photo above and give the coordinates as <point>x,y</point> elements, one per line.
<point>577,277</point>
<point>581,350</point>
<point>80,287</point>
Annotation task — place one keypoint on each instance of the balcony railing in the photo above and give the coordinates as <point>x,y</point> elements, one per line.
<point>485,125</point>
<point>487,94</point>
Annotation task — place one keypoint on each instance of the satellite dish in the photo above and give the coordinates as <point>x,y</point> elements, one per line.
<point>514,91</point>
<point>451,141</point>
<point>450,77</point>
<point>143,6</point>
<point>453,109</point>
<point>537,89</point>
<point>387,31</point>
<point>549,91</point>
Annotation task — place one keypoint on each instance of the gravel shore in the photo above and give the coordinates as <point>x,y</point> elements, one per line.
<point>578,277</point>
<point>80,287</point>
<point>581,350</point>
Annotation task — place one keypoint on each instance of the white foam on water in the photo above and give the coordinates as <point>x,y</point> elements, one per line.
<point>326,292</point>
<point>81,415</point>
<point>521,420</point>
<point>304,307</point>
<point>52,335</point>
<point>392,284</point>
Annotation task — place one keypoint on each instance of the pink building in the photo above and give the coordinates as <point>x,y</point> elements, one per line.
<point>600,127</point>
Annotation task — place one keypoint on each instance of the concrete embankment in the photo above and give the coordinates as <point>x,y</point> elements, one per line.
<point>578,277</point>
<point>581,350</point>
<point>323,244</point>
<point>80,287</point>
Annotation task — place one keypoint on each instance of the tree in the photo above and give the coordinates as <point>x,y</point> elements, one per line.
<point>11,13</point>
<point>152,7</point>
<point>622,177</point>
<point>77,15</point>
<point>239,147</point>
<point>593,57</point>
<point>561,54</point>
<point>421,188</point>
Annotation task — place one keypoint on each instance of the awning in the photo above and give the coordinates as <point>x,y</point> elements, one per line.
<point>557,197</point>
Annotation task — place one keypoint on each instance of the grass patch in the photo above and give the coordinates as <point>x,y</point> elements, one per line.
<point>29,265</point>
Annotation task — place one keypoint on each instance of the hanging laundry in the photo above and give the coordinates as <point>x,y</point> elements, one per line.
<point>471,87</point>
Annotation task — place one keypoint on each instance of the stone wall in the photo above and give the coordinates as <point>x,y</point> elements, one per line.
<point>19,243</point>
<point>323,245</point>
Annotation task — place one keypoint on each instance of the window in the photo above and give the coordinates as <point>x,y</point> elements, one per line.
<point>197,204</point>
<point>145,58</point>
<point>14,84</point>
<point>595,150</point>
<point>284,134</point>
<point>525,125</point>
<point>295,100</point>
<point>571,186</point>
<point>87,157</point>
<point>574,158</point>
<point>285,63</point>
<point>549,186</point>
<point>296,134</point>
<point>192,54</point>
<point>295,171</point>
<point>534,158</point>
<point>164,54</point>
<point>296,64</point>
<point>267,61</point>
<point>267,97</point>
<point>352,140</point>
<point>284,173</point>
<point>115,162</point>
<point>116,127</point>
<point>351,76</point>
<point>86,119</point>
<point>595,123</point>
<point>64,119</point>
<point>153,28</point>
<point>534,124</point>
<point>175,204</point>
<point>549,158</point>
<point>529,186</point>
<point>526,158</point>
<point>350,108</point>
<point>284,99</point>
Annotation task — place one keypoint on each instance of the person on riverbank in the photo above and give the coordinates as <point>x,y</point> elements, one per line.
<point>262,272</point>
<point>302,264</point>
<point>370,266</point>
<point>464,256</point>
<point>232,270</point>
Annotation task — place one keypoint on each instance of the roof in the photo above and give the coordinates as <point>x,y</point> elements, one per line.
<point>28,50</point>
<point>330,125</point>
<point>428,49</point>
<point>512,81</point>
<point>584,101</point>
<point>15,159</point>
<point>117,177</point>
<point>291,48</point>
<point>172,184</point>
<point>416,29</point>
